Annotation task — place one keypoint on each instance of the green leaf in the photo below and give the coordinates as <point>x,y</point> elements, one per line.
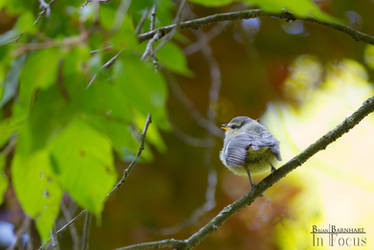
<point>125,37</point>
<point>107,14</point>
<point>145,89</point>
<point>18,6</point>
<point>11,80</point>
<point>8,127</point>
<point>164,8</point>
<point>119,132</point>
<point>106,99</point>
<point>172,57</point>
<point>83,163</point>
<point>36,189</point>
<point>40,71</point>
<point>75,59</point>
<point>139,5</point>
<point>153,134</point>
<point>3,186</point>
<point>25,23</point>
<point>9,37</point>
<point>50,113</point>
<point>96,62</point>
<point>3,178</point>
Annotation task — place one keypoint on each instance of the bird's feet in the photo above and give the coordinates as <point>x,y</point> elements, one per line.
<point>272,167</point>
<point>254,185</point>
<point>250,178</point>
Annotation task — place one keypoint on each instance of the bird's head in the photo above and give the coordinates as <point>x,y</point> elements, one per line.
<point>236,124</point>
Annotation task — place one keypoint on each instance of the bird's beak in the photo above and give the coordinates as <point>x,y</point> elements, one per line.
<point>224,126</point>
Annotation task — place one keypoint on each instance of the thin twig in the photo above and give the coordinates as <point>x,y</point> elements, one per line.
<point>215,76</point>
<point>150,45</point>
<point>141,22</point>
<point>153,17</point>
<point>10,146</point>
<point>214,90</point>
<point>127,171</point>
<point>65,43</point>
<point>177,21</point>
<point>246,14</point>
<point>94,1</point>
<point>215,86</point>
<point>29,245</point>
<point>23,228</point>
<point>106,48</point>
<point>71,221</point>
<point>46,9</point>
<point>215,31</point>
<point>106,65</point>
<point>86,231</point>
<point>60,80</point>
<point>201,121</point>
<point>209,204</point>
<point>193,141</point>
<point>149,50</point>
<point>247,199</point>
<point>73,229</point>
<point>54,240</point>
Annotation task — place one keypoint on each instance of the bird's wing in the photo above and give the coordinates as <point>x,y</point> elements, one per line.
<point>267,140</point>
<point>237,148</point>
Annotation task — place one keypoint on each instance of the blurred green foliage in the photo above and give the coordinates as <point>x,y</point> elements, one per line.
<point>3,179</point>
<point>68,111</point>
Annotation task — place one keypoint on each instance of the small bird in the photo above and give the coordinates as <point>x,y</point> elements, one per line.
<point>248,147</point>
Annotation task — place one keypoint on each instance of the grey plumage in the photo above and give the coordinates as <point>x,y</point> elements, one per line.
<point>248,143</point>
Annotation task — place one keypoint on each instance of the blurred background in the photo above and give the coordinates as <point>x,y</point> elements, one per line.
<point>299,79</point>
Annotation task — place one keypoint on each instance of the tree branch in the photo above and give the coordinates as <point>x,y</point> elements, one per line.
<point>23,228</point>
<point>73,229</point>
<point>195,239</point>
<point>170,243</point>
<point>246,14</point>
<point>86,232</point>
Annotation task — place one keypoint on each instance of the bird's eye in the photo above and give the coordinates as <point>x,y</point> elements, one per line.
<point>234,126</point>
